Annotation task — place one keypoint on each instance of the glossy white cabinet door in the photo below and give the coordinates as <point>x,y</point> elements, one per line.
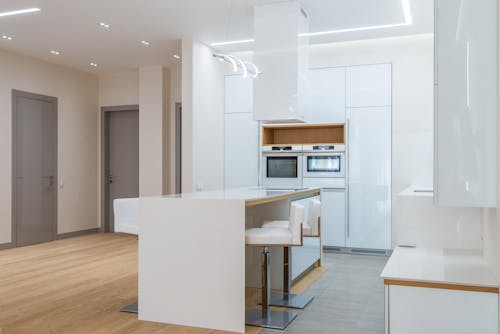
<point>241,161</point>
<point>369,178</point>
<point>324,95</point>
<point>333,221</point>
<point>238,94</point>
<point>416,310</point>
<point>368,85</point>
<point>466,100</point>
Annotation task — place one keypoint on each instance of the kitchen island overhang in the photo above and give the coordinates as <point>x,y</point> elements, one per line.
<point>192,264</point>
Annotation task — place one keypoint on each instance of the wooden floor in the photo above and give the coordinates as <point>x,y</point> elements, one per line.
<point>78,285</point>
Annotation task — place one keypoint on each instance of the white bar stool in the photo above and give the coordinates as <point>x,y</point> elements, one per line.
<point>126,212</point>
<point>265,238</point>
<point>310,229</point>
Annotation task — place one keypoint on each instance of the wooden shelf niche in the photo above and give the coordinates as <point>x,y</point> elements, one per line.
<point>303,134</point>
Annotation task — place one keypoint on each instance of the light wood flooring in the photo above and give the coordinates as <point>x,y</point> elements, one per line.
<point>78,285</point>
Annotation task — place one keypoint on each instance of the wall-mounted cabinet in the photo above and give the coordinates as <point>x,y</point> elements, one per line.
<point>303,134</point>
<point>466,102</point>
<point>323,99</point>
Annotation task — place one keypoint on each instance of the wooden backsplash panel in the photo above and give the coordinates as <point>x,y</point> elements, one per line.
<point>303,134</point>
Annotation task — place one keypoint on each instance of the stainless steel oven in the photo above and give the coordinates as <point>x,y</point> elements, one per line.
<point>282,167</point>
<point>325,161</point>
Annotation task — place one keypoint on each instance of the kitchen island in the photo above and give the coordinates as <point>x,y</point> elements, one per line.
<point>193,263</point>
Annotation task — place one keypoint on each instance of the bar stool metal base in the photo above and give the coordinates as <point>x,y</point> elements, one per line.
<point>269,319</point>
<point>132,308</point>
<point>289,300</point>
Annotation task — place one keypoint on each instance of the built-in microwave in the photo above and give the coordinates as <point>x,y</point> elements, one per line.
<point>324,161</point>
<point>282,167</point>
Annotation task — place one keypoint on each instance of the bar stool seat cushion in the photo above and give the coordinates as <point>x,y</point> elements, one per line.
<point>268,236</point>
<point>284,224</point>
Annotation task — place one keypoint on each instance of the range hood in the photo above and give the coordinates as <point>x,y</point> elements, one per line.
<point>282,57</point>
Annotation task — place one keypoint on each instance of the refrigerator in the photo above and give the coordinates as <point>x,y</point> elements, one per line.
<point>368,204</point>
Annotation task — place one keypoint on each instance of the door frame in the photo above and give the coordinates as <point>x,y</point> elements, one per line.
<point>104,164</point>
<point>16,94</point>
<point>178,148</point>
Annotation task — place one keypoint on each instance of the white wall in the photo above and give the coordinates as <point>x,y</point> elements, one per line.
<point>119,89</point>
<point>203,118</point>
<point>77,94</point>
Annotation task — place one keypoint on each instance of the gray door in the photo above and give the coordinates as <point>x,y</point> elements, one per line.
<point>123,177</point>
<point>35,168</point>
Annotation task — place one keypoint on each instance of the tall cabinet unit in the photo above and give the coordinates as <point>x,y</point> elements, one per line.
<point>368,111</point>
<point>241,135</point>
<point>466,102</point>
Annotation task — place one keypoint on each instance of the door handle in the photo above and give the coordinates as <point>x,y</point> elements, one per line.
<point>110,178</point>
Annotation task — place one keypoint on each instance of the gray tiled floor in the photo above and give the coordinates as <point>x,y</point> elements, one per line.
<point>349,298</point>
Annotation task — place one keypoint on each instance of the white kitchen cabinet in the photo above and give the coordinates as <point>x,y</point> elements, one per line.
<point>439,290</point>
<point>241,155</point>
<point>333,222</point>
<point>369,178</point>
<point>416,310</point>
<point>323,98</point>
<point>368,85</point>
<point>238,94</point>
<point>466,102</point>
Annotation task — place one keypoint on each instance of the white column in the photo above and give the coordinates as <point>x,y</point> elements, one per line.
<point>153,107</point>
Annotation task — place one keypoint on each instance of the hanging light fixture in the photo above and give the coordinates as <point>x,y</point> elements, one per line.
<point>245,66</point>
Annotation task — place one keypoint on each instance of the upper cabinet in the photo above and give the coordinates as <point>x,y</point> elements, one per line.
<point>238,94</point>
<point>368,86</point>
<point>466,102</point>
<point>323,99</point>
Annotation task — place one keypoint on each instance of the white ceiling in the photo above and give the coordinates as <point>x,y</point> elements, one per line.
<point>72,27</point>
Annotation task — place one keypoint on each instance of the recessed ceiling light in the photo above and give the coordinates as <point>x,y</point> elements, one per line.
<point>20,11</point>
<point>104,25</point>
<point>176,56</point>
<point>145,43</point>
<point>7,37</point>
<point>54,52</point>
<point>93,64</point>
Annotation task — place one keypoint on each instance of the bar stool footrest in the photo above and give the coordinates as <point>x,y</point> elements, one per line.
<point>269,319</point>
<point>132,308</point>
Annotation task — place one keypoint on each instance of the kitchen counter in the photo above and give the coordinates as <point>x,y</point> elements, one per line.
<point>435,291</point>
<point>194,265</point>
<point>440,267</point>
<point>251,195</point>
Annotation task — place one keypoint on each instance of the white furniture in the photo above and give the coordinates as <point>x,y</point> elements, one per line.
<point>369,85</point>
<point>437,291</point>
<point>282,58</point>
<point>126,211</point>
<point>333,217</point>
<point>311,230</point>
<point>369,178</point>
<point>265,238</point>
<point>241,137</point>
<point>465,102</point>
<point>323,98</point>
<point>202,282</point>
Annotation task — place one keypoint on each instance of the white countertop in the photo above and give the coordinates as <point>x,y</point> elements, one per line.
<point>445,266</point>
<point>246,194</point>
